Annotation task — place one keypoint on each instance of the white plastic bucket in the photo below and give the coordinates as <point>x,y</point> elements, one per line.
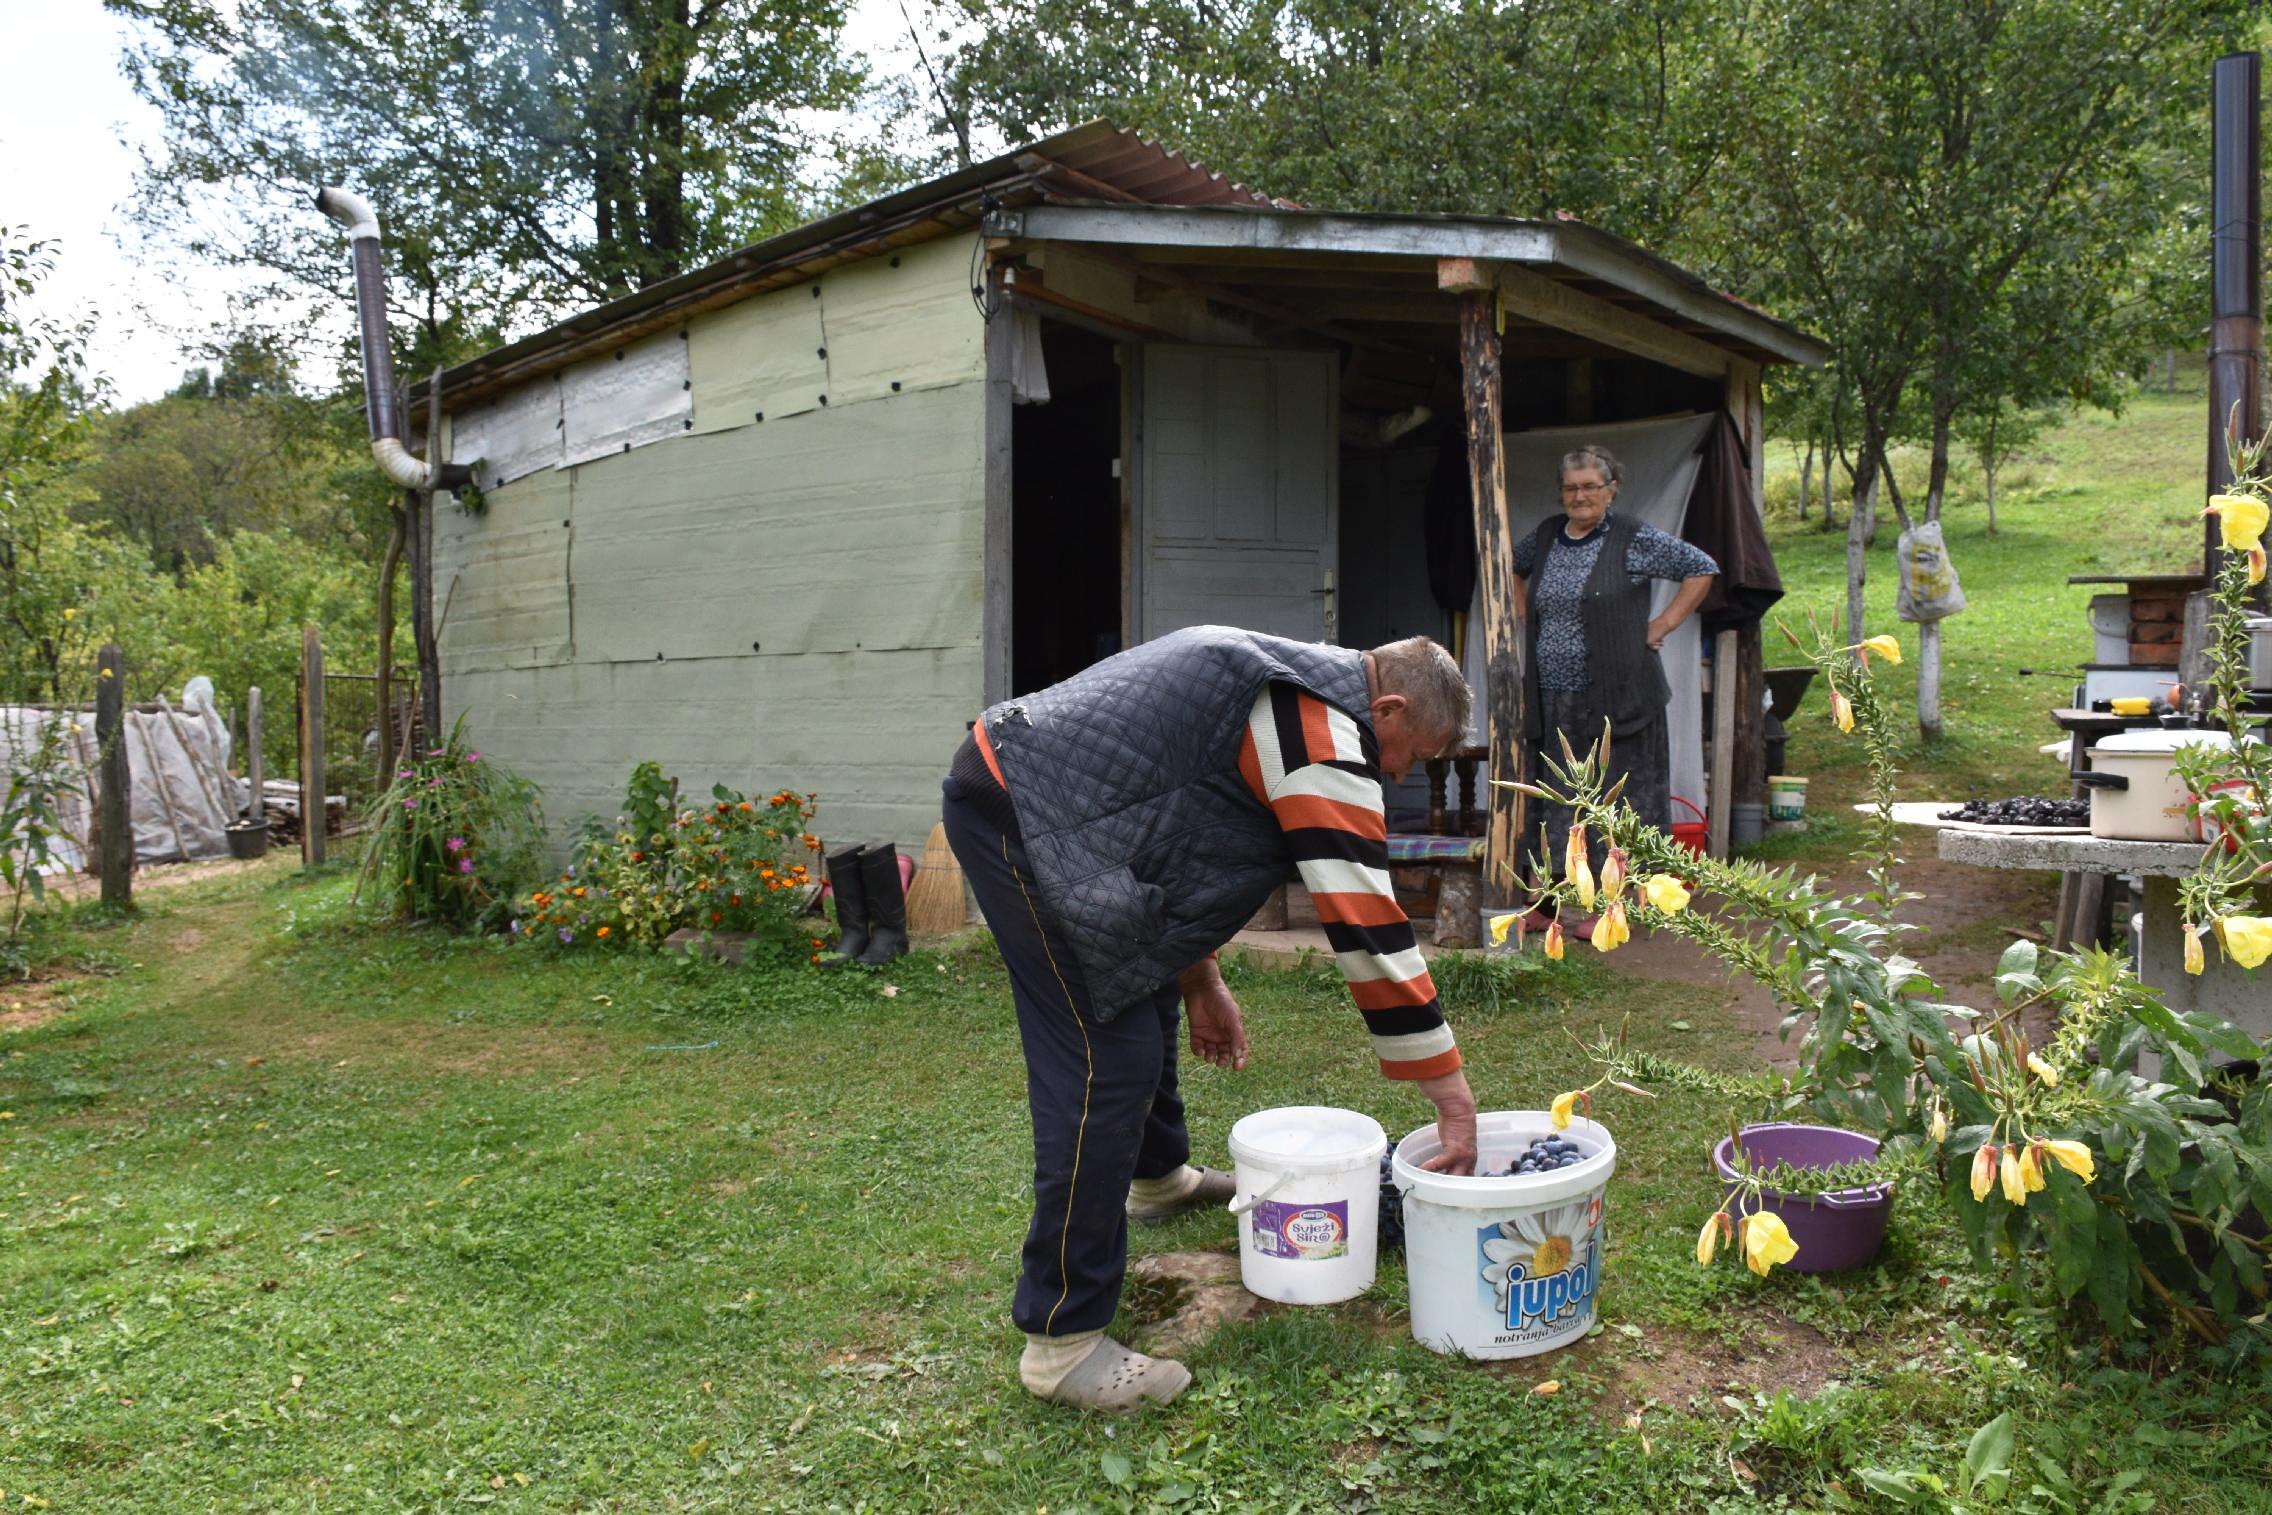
<point>1786,798</point>
<point>1309,1193</point>
<point>1504,1267</point>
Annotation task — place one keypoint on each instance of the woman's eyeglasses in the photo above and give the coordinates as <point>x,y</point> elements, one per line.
<point>1570,489</point>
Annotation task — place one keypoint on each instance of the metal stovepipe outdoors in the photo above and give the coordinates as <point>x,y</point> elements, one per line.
<point>2236,303</point>
<point>395,460</point>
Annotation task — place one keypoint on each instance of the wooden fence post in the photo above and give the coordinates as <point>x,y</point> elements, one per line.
<point>115,813</point>
<point>256,766</point>
<point>312,812</point>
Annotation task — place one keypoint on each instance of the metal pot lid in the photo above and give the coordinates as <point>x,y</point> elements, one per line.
<point>2161,741</point>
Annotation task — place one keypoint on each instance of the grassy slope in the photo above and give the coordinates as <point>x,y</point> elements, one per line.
<point>2101,494</point>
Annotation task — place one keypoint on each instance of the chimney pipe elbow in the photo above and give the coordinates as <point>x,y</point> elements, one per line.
<point>397,463</point>
<point>350,210</point>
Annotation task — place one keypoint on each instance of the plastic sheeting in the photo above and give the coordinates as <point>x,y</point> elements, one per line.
<point>640,393</point>
<point>1660,458</point>
<point>181,794</point>
<point>509,437</point>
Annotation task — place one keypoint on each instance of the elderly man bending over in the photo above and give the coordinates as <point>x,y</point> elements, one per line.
<point>1118,828</point>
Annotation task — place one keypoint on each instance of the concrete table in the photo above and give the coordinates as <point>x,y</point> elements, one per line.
<point>2224,990</point>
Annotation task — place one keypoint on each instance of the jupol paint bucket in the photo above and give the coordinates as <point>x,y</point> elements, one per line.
<point>1504,1267</point>
<point>1786,798</point>
<point>1308,1202</point>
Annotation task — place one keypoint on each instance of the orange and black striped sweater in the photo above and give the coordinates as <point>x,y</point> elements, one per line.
<point>1318,772</point>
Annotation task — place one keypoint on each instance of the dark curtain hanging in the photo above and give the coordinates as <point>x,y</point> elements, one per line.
<point>1449,524</point>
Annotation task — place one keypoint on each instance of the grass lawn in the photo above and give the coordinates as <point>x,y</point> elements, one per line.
<point>298,1212</point>
<point>2100,494</point>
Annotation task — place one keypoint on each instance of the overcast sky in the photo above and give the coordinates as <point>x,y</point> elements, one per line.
<point>69,132</point>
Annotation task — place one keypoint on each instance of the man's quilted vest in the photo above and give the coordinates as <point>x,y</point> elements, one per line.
<point>1148,848</point>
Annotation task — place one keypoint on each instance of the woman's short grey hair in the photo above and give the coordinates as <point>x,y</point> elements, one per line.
<point>1612,471</point>
<point>1436,697</point>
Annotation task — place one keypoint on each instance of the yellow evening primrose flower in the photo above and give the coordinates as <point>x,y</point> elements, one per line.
<point>2248,938</point>
<point>1983,1171</point>
<point>1563,1105</point>
<point>1577,869</point>
<point>2043,1070</point>
<point>1841,711</point>
<point>1499,925</point>
<point>1613,873</point>
<point>2073,1156</point>
<point>1708,1239</point>
<point>1554,947</point>
<point>1665,894</point>
<point>2240,520</point>
<point>2255,565</point>
<point>2031,1168</point>
<point>1610,929</point>
<point>1766,1242</point>
<point>2014,1183</point>
<point>1884,646</point>
<point>2196,961</point>
<point>70,615</point>
<point>1940,1127</point>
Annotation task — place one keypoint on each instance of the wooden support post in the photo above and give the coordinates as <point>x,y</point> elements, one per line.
<point>1721,806</point>
<point>997,424</point>
<point>1503,632</point>
<point>256,765</point>
<point>1747,769</point>
<point>115,813</point>
<point>312,812</point>
<point>422,615</point>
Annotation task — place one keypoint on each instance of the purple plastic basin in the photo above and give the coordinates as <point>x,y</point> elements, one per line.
<point>1834,1231</point>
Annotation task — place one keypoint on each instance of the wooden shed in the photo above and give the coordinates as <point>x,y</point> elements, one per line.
<point>793,519</point>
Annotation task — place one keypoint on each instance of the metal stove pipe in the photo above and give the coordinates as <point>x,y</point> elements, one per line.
<point>2236,301</point>
<point>395,460</point>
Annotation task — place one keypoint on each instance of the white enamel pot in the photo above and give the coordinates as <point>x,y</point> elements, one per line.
<point>2136,794</point>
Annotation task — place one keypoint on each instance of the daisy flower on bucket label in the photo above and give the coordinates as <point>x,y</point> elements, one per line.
<point>1535,1245</point>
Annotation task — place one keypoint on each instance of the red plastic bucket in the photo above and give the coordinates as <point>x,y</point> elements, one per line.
<point>1690,834</point>
<point>1834,1231</point>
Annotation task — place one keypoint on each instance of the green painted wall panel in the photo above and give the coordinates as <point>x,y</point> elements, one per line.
<point>870,732</point>
<point>860,526</point>
<point>500,580</point>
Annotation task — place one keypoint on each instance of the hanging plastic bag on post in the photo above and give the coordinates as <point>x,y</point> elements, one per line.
<point>1929,590</point>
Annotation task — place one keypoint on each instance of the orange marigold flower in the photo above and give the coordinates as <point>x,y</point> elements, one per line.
<point>603,931</point>
<point>814,958</point>
<point>733,899</point>
<point>716,916</point>
<point>578,891</point>
<point>638,857</point>
<point>744,805</point>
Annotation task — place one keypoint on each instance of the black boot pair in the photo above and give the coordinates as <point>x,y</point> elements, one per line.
<point>871,909</point>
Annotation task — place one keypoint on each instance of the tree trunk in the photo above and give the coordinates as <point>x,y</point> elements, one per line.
<point>1988,461</point>
<point>1929,632</point>
<point>665,187</point>
<point>1859,509</point>
<point>1806,478</point>
<point>395,539</point>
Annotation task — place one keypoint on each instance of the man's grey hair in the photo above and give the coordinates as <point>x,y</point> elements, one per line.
<point>1591,456</point>
<point>1435,692</point>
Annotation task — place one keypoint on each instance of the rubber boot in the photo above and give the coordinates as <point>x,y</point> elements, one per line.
<point>850,888</point>
<point>887,905</point>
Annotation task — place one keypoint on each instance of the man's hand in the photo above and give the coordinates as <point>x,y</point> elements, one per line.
<point>1658,631</point>
<point>1218,1031</point>
<point>1455,1123</point>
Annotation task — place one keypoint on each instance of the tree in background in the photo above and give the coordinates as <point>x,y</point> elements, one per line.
<point>527,156</point>
<point>46,397</point>
<point>243,450</point>
<point>1613,113</point>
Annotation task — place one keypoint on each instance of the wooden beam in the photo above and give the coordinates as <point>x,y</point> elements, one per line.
<point>1503,631</point>
<point>1550,302</point>
<point>1218,227</point>
<point>1268,310</point>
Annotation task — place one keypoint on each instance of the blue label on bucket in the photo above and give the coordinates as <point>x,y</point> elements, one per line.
<point>1302,1233</point>
<point>1537,1271</point>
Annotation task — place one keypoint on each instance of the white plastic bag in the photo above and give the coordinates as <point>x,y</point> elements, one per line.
<point>1929,590</point>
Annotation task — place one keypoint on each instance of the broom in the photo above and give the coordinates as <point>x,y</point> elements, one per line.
<point>934,899</point>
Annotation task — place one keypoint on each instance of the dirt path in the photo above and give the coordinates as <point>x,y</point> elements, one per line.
<point>1965,920</point>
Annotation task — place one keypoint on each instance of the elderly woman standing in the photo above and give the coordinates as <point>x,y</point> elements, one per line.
<point>1583,585</point>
